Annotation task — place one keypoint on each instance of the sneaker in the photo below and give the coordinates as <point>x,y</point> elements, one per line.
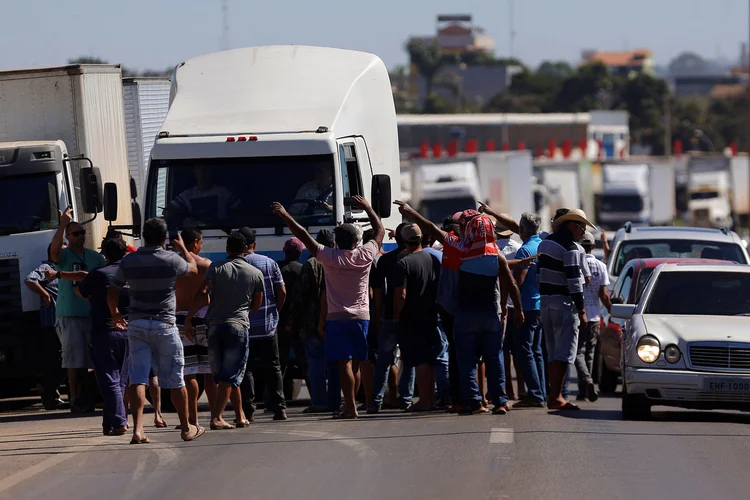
<point>280,415</point>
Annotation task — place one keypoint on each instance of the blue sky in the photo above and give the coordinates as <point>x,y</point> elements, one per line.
<point>160,33</point>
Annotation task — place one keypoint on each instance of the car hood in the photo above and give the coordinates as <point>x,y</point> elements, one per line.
<point>673,329</point>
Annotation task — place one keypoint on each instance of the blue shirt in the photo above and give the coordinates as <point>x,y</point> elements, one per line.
<point>264,321</point>
<point>530,297</point>
<point>46,314</point>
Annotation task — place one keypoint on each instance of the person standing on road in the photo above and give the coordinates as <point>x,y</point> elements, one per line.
<point>109,344</point>
<point>561,282</point>
<point>415,282</point>
<point>51,362</point>
<point>528,337</point>
<point>237,288</point>
<point>191,325</point>
<point>73,311</point>
<point>291,271</point>
<point>264,339</point>
<point>347,272</point>
<point>153,337</point>
<point>594,295</point>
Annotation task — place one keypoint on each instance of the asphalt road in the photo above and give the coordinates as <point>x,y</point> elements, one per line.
<point>527,454</point>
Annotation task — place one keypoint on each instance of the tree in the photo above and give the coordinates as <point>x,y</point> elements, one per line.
<point>588,88</point>
<point>557,70</point>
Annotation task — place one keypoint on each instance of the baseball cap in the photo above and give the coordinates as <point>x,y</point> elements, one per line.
<point>293,245</point>
<point>588,239</point>
<point>411,233</point>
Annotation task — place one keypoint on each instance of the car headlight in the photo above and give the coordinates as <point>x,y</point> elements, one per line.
<point>672,353</point>
<point>648,349</point>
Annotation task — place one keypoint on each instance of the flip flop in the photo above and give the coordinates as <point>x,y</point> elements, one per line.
<point>344,416</point>
<point>137,440</point>
<point>221,427</point>
<point>243,424</point>
<point>160,425</point>
<point>198,433</point>
<point>568,406</point>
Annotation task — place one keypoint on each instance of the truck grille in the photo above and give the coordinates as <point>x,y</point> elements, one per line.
<point>727,357</point>
<point>10,293</point>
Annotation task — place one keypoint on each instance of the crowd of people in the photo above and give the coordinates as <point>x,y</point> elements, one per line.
<point>460,302</point>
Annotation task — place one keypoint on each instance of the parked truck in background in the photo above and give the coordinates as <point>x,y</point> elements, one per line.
<point>709,192</point>
<point>55,124</point>
<point>440,190</point>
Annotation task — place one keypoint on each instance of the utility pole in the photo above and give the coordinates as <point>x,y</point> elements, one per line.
<point>512,30</point>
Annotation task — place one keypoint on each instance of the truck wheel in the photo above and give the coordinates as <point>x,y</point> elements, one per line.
<point>635,407</point>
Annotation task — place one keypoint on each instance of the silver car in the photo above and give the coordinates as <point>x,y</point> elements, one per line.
<point>687,342</point>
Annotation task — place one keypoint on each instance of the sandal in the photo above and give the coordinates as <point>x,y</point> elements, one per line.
<point>160,424</point>
<point>198,433</point>
<point>344,416</point>
<point>226,427</point>
<point>568,406</point>
<point>140,440</point>
<point>243,424</point>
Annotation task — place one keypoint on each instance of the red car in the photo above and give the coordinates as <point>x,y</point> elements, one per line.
<point>628,289</point>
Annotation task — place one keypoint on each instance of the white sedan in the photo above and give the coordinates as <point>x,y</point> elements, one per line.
<point>687,343</point>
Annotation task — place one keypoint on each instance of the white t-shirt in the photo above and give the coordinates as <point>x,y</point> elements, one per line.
<point>599,278</point>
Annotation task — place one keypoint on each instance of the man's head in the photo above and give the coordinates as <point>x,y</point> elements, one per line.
<point>76,235</point>
<point>323,177</point>
<point>236,244</point>
<point>114,249</point>
<point>193,240</point>
<point>325,237</point>
<point>154,232</point>
<point>399,238</point>
<point>450,225</point>
<point>367,236</point>
<point>465,217</point>
<point>573,221</point>
<point>529,224</point>
<point>293,249</point>
<point>203,177</point>
<point>346,236</point>
<point>250,237</point>
<point>412,236</point>
<point>587,242</point>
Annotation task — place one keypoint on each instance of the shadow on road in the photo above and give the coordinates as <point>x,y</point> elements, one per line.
<point>676,415</point>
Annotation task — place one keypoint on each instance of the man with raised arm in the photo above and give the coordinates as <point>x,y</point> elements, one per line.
<point>347,272</point>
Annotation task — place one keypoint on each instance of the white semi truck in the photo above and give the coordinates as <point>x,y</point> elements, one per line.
<point>309,127</point>
<point>55,125</point>
<point>709,191</point>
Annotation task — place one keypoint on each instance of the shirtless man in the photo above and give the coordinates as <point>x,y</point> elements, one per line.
<point>191,325</point>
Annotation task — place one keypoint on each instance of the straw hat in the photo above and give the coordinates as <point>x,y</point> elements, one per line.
<point>573,214</point>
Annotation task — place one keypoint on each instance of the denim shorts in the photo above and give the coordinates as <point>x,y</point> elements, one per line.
<point>228,349</point>
<point>156,345</point>
<point>346,339</point>
<point>75,336</point>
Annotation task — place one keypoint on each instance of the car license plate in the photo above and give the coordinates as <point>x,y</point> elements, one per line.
<point>727,384</point>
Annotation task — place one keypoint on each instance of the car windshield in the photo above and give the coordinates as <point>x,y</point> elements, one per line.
<point>226,193</point>
<point>703,293</point>
<point>28,203</point>
<point>622,203</point>
<point>438,209</point>
<point>644,249</point>
<point>643,278</point>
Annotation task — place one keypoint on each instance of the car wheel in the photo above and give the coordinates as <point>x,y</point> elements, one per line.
<point>635,407</point>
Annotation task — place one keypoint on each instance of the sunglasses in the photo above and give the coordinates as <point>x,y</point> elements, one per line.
<point>580,226</point>
<point>76,234</point>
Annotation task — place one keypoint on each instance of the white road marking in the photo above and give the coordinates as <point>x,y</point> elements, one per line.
<point>502,435</point>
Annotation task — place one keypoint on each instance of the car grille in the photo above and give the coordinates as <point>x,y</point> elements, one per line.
<point>704,396</point>
<point>10,293</point>
<point>736,356</point>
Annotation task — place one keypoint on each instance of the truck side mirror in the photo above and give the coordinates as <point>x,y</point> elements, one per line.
<point>136,219</point>
<point>133,189</point>
<point>381,195</point>
<point>110,201</point>
<point>92,194</point>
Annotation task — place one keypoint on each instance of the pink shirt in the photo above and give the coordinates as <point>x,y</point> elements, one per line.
<point>347,280</point>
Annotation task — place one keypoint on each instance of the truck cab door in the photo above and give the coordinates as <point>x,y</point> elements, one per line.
<point>350,180</point>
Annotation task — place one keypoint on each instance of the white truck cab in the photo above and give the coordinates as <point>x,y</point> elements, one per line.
<point>308,127</point>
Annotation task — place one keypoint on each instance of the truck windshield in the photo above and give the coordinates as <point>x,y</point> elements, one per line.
<point>622,203</point>
<point>226,193</point>
<point>704,195</point>
<point>28,203</point>
<point>646,249</point>
<point>701,293</point>
<point>438,209</point>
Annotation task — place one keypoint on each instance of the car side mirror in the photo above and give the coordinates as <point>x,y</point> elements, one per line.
<point>92,193</point>
<point>623,311</point>
<point>381,195</point>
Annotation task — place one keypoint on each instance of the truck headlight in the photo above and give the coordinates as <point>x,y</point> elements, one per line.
<point>672,353</point>
<point>648,349</point>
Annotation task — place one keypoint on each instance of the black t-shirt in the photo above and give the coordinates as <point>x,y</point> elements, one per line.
<point>384,276</point>
<point>291,273</point>
<point>94,287</point>
<point>419,273</point>
<point>477,292</point>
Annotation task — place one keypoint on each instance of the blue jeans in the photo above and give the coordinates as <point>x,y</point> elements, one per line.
<point>157,345</point>
<point>228,349</point>
<point>528,352</point>
<point>109,352</point>
<point>318,371</point>
<point>442,377</point>
<point>387,340</point>
<point>480,331</point>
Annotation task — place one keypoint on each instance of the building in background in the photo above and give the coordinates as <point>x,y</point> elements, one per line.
<point>623,63</point>
<point>457,34</point>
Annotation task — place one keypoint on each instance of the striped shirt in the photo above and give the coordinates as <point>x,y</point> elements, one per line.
<point>264,321</point>
<point>560,268</point>
<point>151,273</point>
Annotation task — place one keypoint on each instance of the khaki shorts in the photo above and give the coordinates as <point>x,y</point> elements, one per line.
<point>74,333</point>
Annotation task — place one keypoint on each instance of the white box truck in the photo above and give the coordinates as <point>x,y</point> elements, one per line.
<point>49,118</point>
<point>305,126</point>
<point>441,189</point>
<point>506,180</point>
<point>146,102</point>
<point>709,191</point>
